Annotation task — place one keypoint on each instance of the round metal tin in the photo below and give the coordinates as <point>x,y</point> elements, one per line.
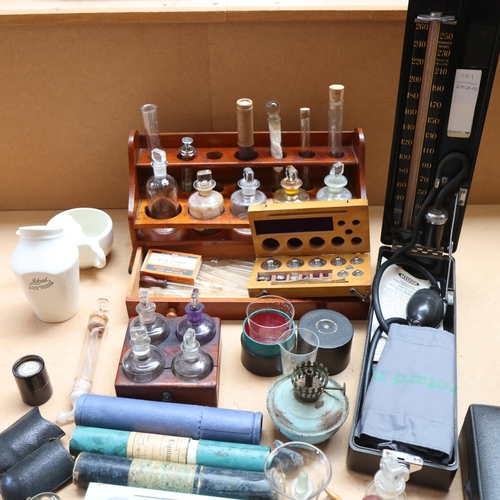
<point>335,333</point>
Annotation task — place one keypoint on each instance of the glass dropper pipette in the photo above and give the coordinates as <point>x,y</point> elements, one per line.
<point>96,326</point>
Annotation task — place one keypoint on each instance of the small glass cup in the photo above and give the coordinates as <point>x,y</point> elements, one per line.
<point>305,348</point>
<point>268,318</point>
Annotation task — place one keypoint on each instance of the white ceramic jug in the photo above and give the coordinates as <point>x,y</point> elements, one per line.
<point>45,262</point>
<point>92,231</point>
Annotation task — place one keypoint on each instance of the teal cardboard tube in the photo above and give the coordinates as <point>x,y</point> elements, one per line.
<point>236,456</point>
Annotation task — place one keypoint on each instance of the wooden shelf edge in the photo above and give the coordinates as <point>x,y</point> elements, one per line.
<point>118,12</point>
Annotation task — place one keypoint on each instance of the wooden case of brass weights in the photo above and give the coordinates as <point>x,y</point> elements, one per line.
<point>344,226</point>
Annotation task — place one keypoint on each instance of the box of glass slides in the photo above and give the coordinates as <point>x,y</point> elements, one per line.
<point>319,239</point>
<point>407,397</point>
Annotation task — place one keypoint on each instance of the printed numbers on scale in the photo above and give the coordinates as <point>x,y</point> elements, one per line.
<point>423,115</point>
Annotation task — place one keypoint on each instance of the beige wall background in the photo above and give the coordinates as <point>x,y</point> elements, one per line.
<point>72,92</point>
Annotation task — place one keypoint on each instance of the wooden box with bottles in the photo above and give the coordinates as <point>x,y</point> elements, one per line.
<point>219,238</point>
<point>167,386</point>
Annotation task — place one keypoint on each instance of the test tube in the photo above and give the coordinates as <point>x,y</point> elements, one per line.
<point>150,118</point>
<point>305,133</point>
<point>335,116</point>
<point>274,121</point>
<point>305,145</point>
<point>244,119</point>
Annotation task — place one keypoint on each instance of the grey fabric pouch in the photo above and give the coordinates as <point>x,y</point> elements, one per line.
<point>410,404</point>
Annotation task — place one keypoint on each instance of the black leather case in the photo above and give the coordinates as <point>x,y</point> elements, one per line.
<point>46,469</point>
<point>25,436</point>
<point>479,445</point>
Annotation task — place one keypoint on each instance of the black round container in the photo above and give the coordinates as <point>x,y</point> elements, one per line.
<point>335,334</point>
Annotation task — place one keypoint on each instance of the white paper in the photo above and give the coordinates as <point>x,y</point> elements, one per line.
<point>463,102</point>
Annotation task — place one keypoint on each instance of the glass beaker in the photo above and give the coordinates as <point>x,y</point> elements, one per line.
<point>305,348</point>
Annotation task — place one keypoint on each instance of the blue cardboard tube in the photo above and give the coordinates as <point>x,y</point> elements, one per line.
<point>176,419</point>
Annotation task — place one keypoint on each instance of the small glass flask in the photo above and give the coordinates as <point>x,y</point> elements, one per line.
<point>290,190</point>
<point>335,185</point>
<point>143,362</point>
<point>202,324</point>
<point>205,203</point>
<point>162,191</point>
<point>191,364</point>
<point>155,324</point>
<point>246,196</point>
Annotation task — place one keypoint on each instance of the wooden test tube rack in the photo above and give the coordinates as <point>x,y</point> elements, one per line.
<point>215,238</point>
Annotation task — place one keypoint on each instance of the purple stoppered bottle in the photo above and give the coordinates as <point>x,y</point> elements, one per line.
<point>202,324</point>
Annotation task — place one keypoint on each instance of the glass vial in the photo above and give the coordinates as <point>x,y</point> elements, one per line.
<point>335,185</point>
<point>150,119</point>
<point>191,364</point>
<point>389,482</point>
<point>335,118</point>
<point>205,203</point>
<point>305,133</point>
<point>143,362</point>
<point>155,324</point>
<point>274,122</point>
<point>290,190</point>
<point>202,324</point>
<point>246,196</point>
<point>305,146</point>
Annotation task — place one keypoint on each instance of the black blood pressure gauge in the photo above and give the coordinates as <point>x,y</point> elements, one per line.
<point>449,59</point>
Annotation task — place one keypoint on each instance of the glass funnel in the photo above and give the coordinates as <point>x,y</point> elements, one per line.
<point>298,471</point>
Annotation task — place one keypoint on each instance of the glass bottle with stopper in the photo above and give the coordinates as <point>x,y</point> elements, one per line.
<point>246,196</point>
<point>143,362</point>
<point>191,364</point>
<point>161,191</point>
<point>335,185</point>
<point>389,482</point>
<point>186,153</point>
<point>205,203</point>
<point>155,324</point>
<point>195,318</point>
<point>291,190</point>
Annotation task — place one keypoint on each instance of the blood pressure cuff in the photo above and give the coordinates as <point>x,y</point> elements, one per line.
<point>410,403</point>
<point>24,436</point>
